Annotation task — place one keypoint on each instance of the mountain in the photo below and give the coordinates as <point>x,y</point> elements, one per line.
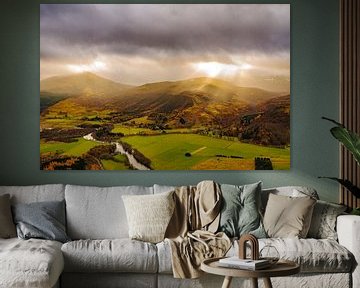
<point>81,84</point>
<point>58,88</point>
<point>198,100</point>
<point>201,89</point>
<point>164,97</point>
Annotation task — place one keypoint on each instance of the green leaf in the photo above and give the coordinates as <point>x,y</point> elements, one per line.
<point>349,139</point>
<point>347,184</point>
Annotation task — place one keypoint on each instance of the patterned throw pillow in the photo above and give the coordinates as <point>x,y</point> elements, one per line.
<point>323,223</point>
<point>288,217</point>
<point>149,215</point>
<point>240,213</point>
<point>7,226</point>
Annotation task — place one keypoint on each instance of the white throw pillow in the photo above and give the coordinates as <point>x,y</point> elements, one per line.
<point>149,215</point>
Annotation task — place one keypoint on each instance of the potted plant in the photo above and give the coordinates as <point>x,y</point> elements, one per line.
<point>351,141</point>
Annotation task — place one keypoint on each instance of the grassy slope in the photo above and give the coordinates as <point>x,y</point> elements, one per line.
<point>114,165</point>
<point>72,149</point>
<point>168,152</point>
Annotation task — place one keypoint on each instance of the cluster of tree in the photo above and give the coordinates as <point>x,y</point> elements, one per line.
<point>53,161</point>
<point>88,161</point>
<point>141,158</point>
<point>103,151</point>
<point>269,134</point>
<point>64,135</point>
<point>263,163</point>
<point>89,125</point>
<point>104,133</point>
<point>231,156</point>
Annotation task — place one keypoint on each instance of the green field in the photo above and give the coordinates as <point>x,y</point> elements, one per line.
<point>167,152</point>
<point>77,148</point>
<point>129,130</point>
<point>119,164</point>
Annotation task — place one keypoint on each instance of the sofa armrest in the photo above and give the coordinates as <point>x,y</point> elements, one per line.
<point>348,230</point>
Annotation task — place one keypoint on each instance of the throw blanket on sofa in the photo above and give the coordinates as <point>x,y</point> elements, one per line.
<point>191,231</point>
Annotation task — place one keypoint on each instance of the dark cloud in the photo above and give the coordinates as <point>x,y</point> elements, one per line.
<point>71,30</point>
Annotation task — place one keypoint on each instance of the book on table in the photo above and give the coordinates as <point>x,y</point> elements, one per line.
<point>236,262</point>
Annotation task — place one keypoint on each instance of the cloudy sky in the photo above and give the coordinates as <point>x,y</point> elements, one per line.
<point>248,44</point>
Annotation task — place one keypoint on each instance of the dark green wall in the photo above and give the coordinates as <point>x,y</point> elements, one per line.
<point>314,93</point>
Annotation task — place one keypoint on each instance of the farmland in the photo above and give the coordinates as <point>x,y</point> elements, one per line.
<point>167,152</point>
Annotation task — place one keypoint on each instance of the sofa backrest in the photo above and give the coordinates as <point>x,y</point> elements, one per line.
<point>35,193</point>
<point>98,213</point>
<point>293,191</point>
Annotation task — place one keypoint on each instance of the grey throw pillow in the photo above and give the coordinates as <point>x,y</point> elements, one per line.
<point>7,226</point>
<point>323,222</point>
<point>240,213</point>
<point>44,220</point>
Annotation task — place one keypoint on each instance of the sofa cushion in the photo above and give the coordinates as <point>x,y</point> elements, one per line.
<point>35,193</point>
<point>98,213</point>
<point>163,188</point>
<point>240,210</point>
<point>291,191</point>
<point>323,222</point>
<point>7,226</point>
<point>30,263</point>
<point>287,216</point>
<point>117,255</point>
<point>313,255</point>
<point>149,215</point>
<point>42,220</point>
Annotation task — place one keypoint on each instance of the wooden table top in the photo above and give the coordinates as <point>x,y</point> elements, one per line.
<point>281,268</point>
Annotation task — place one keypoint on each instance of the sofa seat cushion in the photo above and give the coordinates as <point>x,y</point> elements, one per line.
<point>115,255</point>
<point>30,263</point>
<point>313,255</point>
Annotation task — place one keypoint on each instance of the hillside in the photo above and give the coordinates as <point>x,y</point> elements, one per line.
<point>205,95</point>
<point>270,125</point>
<point>197,102</point>
<point>86,83</point>
<point>197,90</point>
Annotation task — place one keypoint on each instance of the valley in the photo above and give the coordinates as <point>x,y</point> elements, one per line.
<point>195,124</point>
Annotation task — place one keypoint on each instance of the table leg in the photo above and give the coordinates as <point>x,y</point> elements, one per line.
<point>267,283</point>
<point>254,282</point>
<point>227,282</point>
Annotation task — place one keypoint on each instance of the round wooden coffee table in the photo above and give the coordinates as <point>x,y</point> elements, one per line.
<point>281,268</point>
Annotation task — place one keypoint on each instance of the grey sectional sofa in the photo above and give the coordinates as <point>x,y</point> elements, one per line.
<point>101,255</point>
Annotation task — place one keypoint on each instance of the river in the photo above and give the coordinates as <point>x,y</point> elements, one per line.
<point>120,149</point>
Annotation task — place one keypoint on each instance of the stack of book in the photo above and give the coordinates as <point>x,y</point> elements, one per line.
<point>248,264</point>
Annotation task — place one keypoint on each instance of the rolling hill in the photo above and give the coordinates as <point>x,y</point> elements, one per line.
<point>58,88</point>
<point>86,83</point>
<point>198,99</point>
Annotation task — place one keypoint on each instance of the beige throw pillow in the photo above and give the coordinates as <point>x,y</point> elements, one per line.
<point>7,226</point>
<point>148,215</point>
<point>288,217</point>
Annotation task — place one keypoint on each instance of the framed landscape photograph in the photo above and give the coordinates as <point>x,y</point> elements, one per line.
<point>164,86</point>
